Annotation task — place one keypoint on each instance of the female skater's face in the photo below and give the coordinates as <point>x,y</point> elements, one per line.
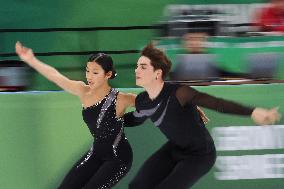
<point>144,72</point>
<point>96,75</point>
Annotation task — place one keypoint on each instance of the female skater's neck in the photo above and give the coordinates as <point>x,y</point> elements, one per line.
<point>104,89</point>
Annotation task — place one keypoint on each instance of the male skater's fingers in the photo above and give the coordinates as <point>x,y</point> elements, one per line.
<point>260,116</point>
<point>274,114</point>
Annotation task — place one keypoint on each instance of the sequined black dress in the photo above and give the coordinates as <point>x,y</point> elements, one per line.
<point>110,157</point>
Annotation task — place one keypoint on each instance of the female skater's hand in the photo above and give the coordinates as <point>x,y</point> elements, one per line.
<point>24,53</point>
<point>263,116</point>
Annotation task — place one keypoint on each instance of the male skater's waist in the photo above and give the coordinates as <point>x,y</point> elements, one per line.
<point>197,147</point>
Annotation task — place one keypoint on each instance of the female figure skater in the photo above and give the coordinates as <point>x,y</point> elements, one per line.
<point>190,152</point>
<point>110,157</point>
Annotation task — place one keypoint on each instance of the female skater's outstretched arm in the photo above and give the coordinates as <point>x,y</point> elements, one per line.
<point>71,86</point>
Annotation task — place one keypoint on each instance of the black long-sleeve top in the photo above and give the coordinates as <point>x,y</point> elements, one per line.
<point>174,112</point>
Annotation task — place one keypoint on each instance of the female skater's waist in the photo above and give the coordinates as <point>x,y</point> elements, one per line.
<point>110,150</point>
<point>110,140</point>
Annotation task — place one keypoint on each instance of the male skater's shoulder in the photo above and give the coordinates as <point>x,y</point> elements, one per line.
<point>140,99</point>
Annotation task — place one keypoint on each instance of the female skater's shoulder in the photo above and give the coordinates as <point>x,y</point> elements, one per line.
<point>127,99</point>
<point>124,101</point>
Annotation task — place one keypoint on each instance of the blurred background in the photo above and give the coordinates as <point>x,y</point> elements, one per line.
<point>229,48</point>
<point>238,39</point>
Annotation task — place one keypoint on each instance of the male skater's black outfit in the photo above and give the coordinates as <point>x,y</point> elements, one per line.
<point>190,152</point>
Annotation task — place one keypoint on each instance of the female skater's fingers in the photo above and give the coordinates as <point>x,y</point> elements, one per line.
<point>26,54</point>
<point>18,47</point>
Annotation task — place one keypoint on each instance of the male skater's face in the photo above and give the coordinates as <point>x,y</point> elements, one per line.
<point>144,71</point>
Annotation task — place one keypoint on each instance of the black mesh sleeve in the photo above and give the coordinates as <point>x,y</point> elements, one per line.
<point>186,94</point>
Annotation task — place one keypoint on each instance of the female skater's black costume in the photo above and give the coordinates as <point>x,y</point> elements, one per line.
<point>190,152</point>
<point>110,157</point>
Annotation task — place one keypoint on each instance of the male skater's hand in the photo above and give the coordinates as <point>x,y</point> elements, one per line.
<point>263,116</point>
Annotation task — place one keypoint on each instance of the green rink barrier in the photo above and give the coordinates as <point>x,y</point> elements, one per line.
<point>43,135</point>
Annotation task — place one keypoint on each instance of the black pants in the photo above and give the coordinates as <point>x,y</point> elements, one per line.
<point>172,168</point>
<point>100,167</point>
